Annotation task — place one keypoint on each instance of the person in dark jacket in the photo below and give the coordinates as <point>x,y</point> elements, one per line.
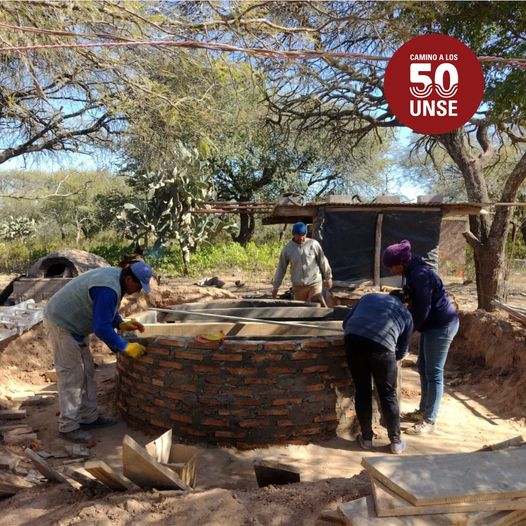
<point>436,318</point>
<point>377,334</point>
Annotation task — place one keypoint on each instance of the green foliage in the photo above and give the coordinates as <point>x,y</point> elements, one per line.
<point>18,257</point>
<point>17,228</point>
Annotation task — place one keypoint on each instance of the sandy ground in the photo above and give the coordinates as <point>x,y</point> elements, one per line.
<point>226,492</point>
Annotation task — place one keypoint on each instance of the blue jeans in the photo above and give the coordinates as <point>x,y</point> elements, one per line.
<point>432,354</point>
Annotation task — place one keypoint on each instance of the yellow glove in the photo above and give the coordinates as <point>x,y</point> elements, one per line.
<point>135,350</point>
<point>131,325</point>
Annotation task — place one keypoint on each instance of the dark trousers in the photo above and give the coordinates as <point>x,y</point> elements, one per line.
<point>367,358</point>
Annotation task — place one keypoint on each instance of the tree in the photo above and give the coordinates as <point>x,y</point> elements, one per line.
<point>346,97</point>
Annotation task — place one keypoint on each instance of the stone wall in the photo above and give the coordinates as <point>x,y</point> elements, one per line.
<point>240,393</point>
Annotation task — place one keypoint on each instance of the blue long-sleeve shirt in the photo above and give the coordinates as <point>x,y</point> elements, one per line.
<point>104,322</point>
<point>431,306</point>
<point>383,319</point>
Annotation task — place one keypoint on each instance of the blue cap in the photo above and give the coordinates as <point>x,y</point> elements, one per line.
<point>143,273</point>
<point>299,228</point>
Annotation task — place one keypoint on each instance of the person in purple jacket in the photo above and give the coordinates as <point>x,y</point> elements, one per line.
<point>436,318</point>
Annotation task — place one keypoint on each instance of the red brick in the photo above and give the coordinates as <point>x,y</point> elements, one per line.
<point>137,376</point>
<point>163,403</point>
<point>242,370</point>
<point>244,392</point>
<point>159,383</point>
<point>174,396</point>
<point>253,423</point>
<point>280,346</point>
<point>171,342</point>
<point>160,423</point>
<point>193,344</point>
<point>204,368</point>
<point>315,387</point>
<point>181,418</point>
<point>303,355</point>
<point>213,422</point>
<point>189,355</point>
<point>188,387</point>
<point>340,342</point>
<point>316,369</point>
<point>224,357</point>
<point>150,409</point>
<point>230,345</point>
<point>316,344</point>
<point>146,388</point>
<point>146,359</point>
<point>191,431</point>
<point>259,381</point>
<point>281,370</point>
<point>266,358</point>
<point>272,412</point>
<point>320,396</point>
<point>171,365</point>
<point>246,401</point>
<point>234,412</point>
<point>286,401</point>
<point>214,380</point>
<point>313,430</point>
<point>140,367</point>
<point>285,423</point>
<point>325,418</point>
<point>158,351</point>
<point>206,400</point>
<point>229,434</point>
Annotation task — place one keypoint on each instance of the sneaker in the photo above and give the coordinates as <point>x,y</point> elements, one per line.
<point>397,447</point>
<point>101,421</point>
<point>77,435</point>
<point>364,444</point>
<point>413,416</point>
<point>424,428</point>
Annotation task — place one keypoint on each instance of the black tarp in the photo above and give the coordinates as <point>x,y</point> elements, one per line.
<point>348,239</point>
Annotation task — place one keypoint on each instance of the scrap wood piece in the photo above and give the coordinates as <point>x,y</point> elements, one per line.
<point>11,484</point>
<point>159,449</point>
<point>50,473</point>
<point>361,512</point>
<point>269,472</point>
<point>512,442</point>
<point>17,439</point>
<point>332,517</point>
<point>389,504</point>
<point>83,480</point>
<point>502,518</point>
<point>12,414</point>
<point>457,477</point>
<point>144,470</point>
<point>20,429</point>
<point>183,460</point>
<point>105,474</point>
<point>519,316</point>
<point>8,460</point>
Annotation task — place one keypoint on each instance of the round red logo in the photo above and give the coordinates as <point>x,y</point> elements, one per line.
<point>434,84</point>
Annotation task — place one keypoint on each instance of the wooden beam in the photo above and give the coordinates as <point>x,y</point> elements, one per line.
<point>378,250</point>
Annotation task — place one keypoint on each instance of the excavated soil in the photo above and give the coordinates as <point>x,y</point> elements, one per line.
<point>484,403</point>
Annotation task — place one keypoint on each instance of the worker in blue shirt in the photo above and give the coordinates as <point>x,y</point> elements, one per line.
<point>89,304</point>
<point>377,334</point>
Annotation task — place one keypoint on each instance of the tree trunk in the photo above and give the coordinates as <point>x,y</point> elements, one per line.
<point>246,229</point>
<point>487,239</point>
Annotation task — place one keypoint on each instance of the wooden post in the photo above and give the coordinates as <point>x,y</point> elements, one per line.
<point>378,250</point>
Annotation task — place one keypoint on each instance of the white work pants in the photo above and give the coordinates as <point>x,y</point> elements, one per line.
<point>77,390</point>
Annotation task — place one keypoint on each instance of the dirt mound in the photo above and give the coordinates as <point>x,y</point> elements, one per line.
<point>490,353</point>
<point>294,504</point>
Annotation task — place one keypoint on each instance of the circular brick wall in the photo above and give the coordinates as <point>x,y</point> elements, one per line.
<point>240,393</point>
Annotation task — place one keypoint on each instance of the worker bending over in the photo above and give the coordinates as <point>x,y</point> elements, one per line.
<point>89,304</point>
<point>308,267</point>
<point>377,334</point>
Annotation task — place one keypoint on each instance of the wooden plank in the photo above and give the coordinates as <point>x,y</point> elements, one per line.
<point>13,414</point>
<point>389,504</point>
<point>42,466</point>
<point>361,512</point>
<point>16,439</point>
<point>183,460</point>
<point>144,470</point>
<point>83,480</point>
<point>457,477</point>
<point>159,448</point>
<point>378,250</point>
<point>332,517</point>
<point>11,484</point>
<point>105,474</point>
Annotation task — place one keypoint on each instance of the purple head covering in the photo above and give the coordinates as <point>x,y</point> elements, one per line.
<point>397,254</point>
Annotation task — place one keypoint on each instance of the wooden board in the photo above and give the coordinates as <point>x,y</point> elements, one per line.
<point>12,414</point>
<point>459,477</point>
<point>83,480</point>
<point>103,473</point>
<point>144,470</point>
<point>42,466</point>
<point>389,504</point>
<point>159,448</point>
<point>361,512</point>
<point>10,484</point>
